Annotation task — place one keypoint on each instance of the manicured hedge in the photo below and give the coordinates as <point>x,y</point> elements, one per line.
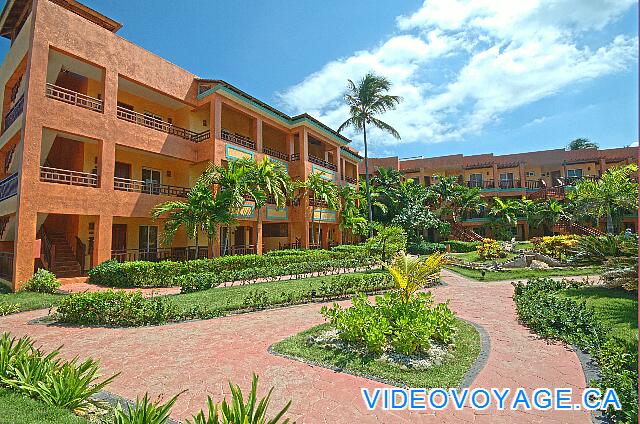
<point>195,281</point>
<point>230,268</point>
<point>458,246</point>
<point>118,308</point>
<point>425,248</point>
<point>550,315</point>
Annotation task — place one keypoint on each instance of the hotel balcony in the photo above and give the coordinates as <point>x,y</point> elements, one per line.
<point>13,113</point>
<point>73,98</point>
<point>68,177</point>
<point>8,187</point>
<point>140,105</point>
<point>149,187</point>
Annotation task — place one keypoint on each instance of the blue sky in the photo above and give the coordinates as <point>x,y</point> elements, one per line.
<point>476,76</point>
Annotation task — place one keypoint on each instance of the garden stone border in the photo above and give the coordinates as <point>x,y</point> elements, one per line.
<point>468,378</point>
<point>591,372</point>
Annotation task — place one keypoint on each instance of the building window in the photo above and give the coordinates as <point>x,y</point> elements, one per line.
<point>151,179</point>
<point>574,173</point>
<point>531,174</point>
<point>475,180</point>
<point>275,230</point>
<point>148,242</point>
<point>506,180</point>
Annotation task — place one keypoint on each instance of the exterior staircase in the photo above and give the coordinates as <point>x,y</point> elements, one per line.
<point>64,262</point>
<point>460,232</point>
<point>564,226</point>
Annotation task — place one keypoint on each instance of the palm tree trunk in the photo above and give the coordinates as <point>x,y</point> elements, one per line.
<point>609,222</point>
<point>313,217</point>
<point>366,177</point>
<point>197,246</point>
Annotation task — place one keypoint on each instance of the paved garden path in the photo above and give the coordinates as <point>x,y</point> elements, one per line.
<point>201,355</point>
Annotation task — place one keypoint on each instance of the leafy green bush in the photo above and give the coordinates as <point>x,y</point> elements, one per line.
<point>118,308</point>
<point>458,246</point>
<point>240,411</point>
<point>67,384</point>
<point>42,281</point>
<point>425,248</point>
<point>595,250</point>
<point>557,317</point>
<point>144,411</point>
<point>391,324</point>
<point>8,308</point>
<point>169,274</point>
<point>351,250</point>
<point>387,241</point>
<point>490,249</point>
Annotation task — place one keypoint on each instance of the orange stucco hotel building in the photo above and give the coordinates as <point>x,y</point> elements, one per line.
<point>96,131</point>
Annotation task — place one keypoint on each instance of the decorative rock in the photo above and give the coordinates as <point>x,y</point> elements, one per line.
<point>538,265</point>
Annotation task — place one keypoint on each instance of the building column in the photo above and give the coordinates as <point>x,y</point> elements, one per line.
<point>257,132</point>
<point>304,146</point>
<point>247,233</point>
<point>305,234</point>
<point>24,250</point>
<point>496,176</point>
<point>325,236</point>
<point>258,238</point>
<point>216,243</point>
<point>339,175</point>
<point>337,235</point>
<point>216,122</point>
<point>522,174</point>
<point>106,164</point>
<point>603,166</point>
<point>102,241</point>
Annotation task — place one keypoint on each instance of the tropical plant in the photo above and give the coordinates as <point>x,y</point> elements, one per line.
<point>490,249</point>
<point>366,100</point>
<point>144,411</point>
<point>43,281</point>
<point>504,216</point>
<point>240,411</point>
<point>410,273</point>
<point>555,246</point>
<point>596,250</point>
<point>350,217</point>
<point>387,241</point>
<point>323,191</point>
<point>609,197</point>
<point>582,143</point>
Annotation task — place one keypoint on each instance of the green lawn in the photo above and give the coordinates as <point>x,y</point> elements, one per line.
<point>449,374</point>
<point>25,301</point>
<point>214,301</point>
<point>524,273</point>
<point>617,309</point>
<point>526,245</point>
<point>15,408</point>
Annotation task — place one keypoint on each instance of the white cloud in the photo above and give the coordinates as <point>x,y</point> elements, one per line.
<point>459,65</point>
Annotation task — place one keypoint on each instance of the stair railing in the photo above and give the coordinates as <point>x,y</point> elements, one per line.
<point>81,251</point>
<point>48,249</point>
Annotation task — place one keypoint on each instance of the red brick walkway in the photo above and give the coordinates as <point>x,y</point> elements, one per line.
<point>201,355</point>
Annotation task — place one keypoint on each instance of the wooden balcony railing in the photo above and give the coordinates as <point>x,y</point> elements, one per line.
<point>73,97</point>
<point>484,184</point>
<point>160,125</point>
<point>9,187</point>
<point>318,203</point>
<point>275,153</point>
<point>238,139</point>
<point>323,163</point>
<point>295,157</point>
<point>149,187</point>
<point>81,252</point>
<point>243,249</point>
<point>6,265</point>
<point>532,184</point>
<point>66,176</point>
<point>350,180</point>
<point>13,114</point>
<point>508,184</point>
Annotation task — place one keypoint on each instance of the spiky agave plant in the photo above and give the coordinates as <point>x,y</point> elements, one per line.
<point>145,411</point>
<point>240,411</point>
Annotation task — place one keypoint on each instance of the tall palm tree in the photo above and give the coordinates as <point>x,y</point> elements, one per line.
<point>582,143</point>
<point>270,178</point>
<point>324,191</point>
<point>366,100</point>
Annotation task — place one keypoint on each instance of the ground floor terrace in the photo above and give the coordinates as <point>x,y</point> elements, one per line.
<point>201,356</point>
<point>69,245</point>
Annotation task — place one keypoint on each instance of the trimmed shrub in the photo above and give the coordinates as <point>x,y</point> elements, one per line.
<point>550,315</point>
<point>490,249</point>
<point>118,308</point>
<point>458,246</point>
<point>425,248</point>
<point>137,274</point>
<point>42,281</point>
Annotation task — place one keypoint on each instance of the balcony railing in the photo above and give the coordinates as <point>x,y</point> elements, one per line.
<point>275,153</point>
<point>483,184</point>
<point>508,184</point>
<point>160,125</point>
<point>351,180</point>
<point>295,157</point>
<point>73,97</point>
<point>149,187</point>
<point>13,114</point>
<point>243,249</point>
<point>238,139</point>
<point>323,163</point>
<point>532,184</point>
<point>66,176</point>
<point>9,187</point>
<point>318,203</point>
<point>160,254</point>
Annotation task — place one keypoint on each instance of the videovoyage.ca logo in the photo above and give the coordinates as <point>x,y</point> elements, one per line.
<point>543,399</point>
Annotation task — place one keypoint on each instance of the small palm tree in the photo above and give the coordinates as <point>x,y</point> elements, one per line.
<point>350,216</point>
<point>582,143</point>
<point>410,273</point>
<point>366,100</point>
<point>323,190</point>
